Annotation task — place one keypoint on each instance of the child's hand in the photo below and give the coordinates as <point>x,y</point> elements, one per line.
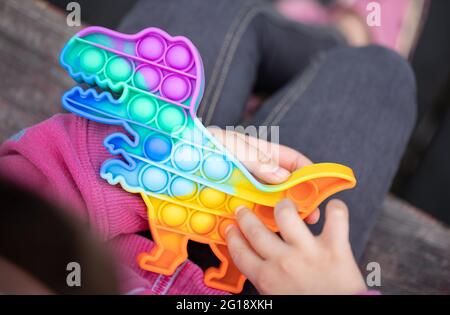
<point>298,262</point>
<point>270,162</point>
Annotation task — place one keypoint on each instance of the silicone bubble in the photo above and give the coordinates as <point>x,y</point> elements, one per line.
<point>158,147</point>
<point>223,227</point>
<point>173,215</point>
<point>92,59</point>
<point>154,179</point>
<point>179,57</point>
<point>147,78</point>
<point>186,157</point>
<point>142,109</point>
<point>151,47</point>
<point>192,136</point>
<point>171,118</point>
<point>188,180</point>
<point>202,222</point>
<point>216,168</point>
<point>183,188</point>
<point>212,198</point>
<point>119,69</point>
<point>175,87</point>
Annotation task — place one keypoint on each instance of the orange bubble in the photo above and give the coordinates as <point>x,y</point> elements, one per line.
<point>223,226</point>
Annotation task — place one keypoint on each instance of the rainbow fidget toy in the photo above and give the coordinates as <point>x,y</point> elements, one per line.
<point>189,182</point>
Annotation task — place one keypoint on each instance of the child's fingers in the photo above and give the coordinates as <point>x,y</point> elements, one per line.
<point>264,167</point>
<point>291,159</point>
<point>336,227</point>
<point>314,217</point>
<point>292,228</point>
<point>286,157</point>
<point>242,254</point>
<point>266,243</point>
<point>281,155</point>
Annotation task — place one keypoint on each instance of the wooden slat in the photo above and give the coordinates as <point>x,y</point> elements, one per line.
<point>413,250</point>
<point>13,120</point>
<point>32,35</point>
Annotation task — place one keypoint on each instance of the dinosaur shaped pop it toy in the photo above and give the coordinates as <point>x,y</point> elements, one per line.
<point>152,84</point>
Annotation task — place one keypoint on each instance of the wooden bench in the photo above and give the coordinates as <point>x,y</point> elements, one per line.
<point>412,248</point>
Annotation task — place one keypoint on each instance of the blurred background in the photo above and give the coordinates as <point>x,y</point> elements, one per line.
<point>413,226</point>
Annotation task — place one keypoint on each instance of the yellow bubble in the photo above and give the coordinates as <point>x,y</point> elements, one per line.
<point>173,215</point>
<point>212,198</point>
<point>202,222</point>
<point>236,202</point>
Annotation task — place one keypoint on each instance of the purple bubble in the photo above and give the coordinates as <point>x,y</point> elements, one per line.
<point>151,47</point>
<point>147,78</point>
<point>179,57</point>
<point>175,88</point>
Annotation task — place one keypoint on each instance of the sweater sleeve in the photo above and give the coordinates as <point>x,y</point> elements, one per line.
<point>60,159</point>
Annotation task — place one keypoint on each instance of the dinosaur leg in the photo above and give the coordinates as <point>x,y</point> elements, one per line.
<point>169,252</point>
<point>226,277</point>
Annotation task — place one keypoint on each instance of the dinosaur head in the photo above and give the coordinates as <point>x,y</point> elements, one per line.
<point>134,78</point>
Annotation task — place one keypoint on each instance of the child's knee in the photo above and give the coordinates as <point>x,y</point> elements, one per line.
<point>384,72</point>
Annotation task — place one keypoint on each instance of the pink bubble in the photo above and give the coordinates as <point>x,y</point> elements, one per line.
<point>175,88</point>
<point>179,57</point>
<point>151,47</point>
<point>147,78</point>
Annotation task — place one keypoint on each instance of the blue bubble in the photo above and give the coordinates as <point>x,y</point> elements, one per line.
<point>158,147</point>
<point>154,179</point>
<point>186,157</point>
<point>183,188</point>
<point>215,167</point>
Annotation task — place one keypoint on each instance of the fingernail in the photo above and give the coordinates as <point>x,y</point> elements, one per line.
<point>285,203</point>
<point>282,173</point>
<point>239,209</point>
<point>336,203</point>
<point>228,228</point>
<point>339,208</point>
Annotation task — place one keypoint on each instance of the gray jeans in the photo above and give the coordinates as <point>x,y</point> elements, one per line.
<point>333,103</point>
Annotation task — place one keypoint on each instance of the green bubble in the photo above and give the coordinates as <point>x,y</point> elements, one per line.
<point>171,118</point>
<point>142,109</point>
<point>92,60</point>
<point>119,69</point>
